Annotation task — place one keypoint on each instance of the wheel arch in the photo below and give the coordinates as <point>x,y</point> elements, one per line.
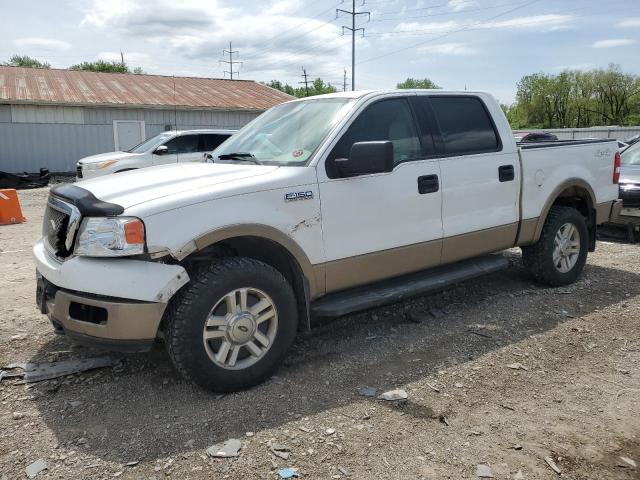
<point>573,192</point>
<point>268,245</point>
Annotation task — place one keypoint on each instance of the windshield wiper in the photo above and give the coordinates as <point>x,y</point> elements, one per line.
<point>240,156</point>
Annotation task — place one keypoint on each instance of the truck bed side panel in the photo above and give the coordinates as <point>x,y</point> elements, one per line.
<point>547,167</point>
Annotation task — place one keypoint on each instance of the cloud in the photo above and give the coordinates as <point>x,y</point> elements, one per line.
<point>271,38</point>
<point>457,5</point>
<point>631,22</point>
<point>447,49</point>
<point>543,23</point>
<point>613,42</point>
<point>42,43</point>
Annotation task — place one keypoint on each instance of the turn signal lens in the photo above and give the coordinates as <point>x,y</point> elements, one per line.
<point>134,232</point>
<point>108,163</point>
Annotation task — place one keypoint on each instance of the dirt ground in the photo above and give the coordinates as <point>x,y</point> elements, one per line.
<point>575,396</point>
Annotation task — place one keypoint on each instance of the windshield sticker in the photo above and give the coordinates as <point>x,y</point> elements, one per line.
<point>297,153</point>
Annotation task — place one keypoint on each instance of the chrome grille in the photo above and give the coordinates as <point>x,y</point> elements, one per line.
<point>59,226</point>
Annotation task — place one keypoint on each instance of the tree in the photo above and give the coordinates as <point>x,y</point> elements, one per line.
<point>26,61</point>
<point>417,83</point>
<point>101,66</point>
<point>576,99</point>
<point>317,87</point>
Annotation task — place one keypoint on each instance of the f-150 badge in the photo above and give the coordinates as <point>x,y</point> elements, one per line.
<point>292,196</point>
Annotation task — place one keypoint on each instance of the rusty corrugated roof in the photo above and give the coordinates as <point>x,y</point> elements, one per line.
<point>70,87</point>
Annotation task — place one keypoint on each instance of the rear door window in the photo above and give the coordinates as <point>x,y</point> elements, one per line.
<point>465,124</point>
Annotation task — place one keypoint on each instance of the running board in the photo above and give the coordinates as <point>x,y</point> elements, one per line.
<point>400,288</point>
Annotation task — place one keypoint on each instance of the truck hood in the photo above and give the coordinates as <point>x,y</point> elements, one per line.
<point>103,157</point>
<point>134,187</point>
<point>630,174</point>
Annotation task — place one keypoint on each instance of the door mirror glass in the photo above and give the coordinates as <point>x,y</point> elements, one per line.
<point>161,150</point>
<point>366,158</point>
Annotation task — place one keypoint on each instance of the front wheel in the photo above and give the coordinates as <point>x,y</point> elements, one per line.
<point>560,254</point>
<point>231,326</point>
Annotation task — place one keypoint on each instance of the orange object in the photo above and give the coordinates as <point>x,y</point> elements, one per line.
<point>10,211</point>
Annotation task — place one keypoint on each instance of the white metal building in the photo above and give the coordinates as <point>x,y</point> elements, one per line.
<point>52,118</point>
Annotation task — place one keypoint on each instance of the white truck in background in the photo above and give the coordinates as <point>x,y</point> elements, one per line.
<point>318,208</point>
<point>172,146</point>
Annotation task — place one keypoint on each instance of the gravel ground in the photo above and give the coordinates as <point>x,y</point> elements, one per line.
<point>499,372</point>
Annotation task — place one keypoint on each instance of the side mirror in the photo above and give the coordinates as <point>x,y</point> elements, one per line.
<point>161,150</point>
<point>207,157</point>
<point>366,158</point>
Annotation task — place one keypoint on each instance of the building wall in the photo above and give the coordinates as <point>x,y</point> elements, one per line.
<point>619,133</point>
<point>55,137</point>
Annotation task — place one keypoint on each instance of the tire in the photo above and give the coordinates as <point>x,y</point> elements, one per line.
<point>539,258</point>
<point>202,308</point>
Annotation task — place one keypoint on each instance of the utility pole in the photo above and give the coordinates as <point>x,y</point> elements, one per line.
<point>306,82</point>
<point>344,81</point>
<point>353,30</point>
<point>231,61</point>
<point>121,58</point>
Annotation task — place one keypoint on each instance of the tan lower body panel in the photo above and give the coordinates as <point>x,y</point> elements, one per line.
<point>603,212</point>
<point>368,268</point>
<point>363,269</point>
<point>476,243</point>
<point>125,321</point>
<point>527,234</point>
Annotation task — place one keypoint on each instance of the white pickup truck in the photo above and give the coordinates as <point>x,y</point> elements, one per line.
<point>172,146</point>
<point>318,208</point>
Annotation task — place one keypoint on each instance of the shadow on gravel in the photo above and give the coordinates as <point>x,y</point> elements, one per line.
<point>146,411</point>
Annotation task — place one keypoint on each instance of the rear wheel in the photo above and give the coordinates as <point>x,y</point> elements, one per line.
<point>560,254</point>
<point>231,326</point>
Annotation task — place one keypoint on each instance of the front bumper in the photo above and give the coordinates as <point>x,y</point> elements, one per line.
<point>110,323</point>
<point>116,303</point>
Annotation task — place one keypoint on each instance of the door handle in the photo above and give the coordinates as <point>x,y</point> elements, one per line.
<point>428,184</point>
<point>506,173</point>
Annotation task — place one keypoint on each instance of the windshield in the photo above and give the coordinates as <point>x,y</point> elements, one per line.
<point>631,156</point>
<point>286,135</point>
<point>149,143</point>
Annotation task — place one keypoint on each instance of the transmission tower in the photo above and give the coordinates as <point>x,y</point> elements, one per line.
<point>231,62</point>
<point>353,31</point>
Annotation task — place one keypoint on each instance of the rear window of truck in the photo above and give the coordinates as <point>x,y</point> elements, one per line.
<point>465,124</point>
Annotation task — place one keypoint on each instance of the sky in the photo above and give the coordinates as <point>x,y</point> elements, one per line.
<point>475,44</point>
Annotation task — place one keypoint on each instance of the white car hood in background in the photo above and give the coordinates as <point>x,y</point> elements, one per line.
<point>187,179</point>
<point>103,157</point>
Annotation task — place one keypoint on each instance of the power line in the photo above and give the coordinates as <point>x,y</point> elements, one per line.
<point>449,33</point>
<point>353,30</point>
<point>476,25</point>
<point>441,14</point>
<point>295,27</point>
<point>231,61</point>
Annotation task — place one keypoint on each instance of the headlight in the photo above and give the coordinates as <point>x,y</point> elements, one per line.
<point>110,237</point>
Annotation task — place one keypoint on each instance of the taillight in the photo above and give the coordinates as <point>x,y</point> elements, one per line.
<point>616,168</point>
